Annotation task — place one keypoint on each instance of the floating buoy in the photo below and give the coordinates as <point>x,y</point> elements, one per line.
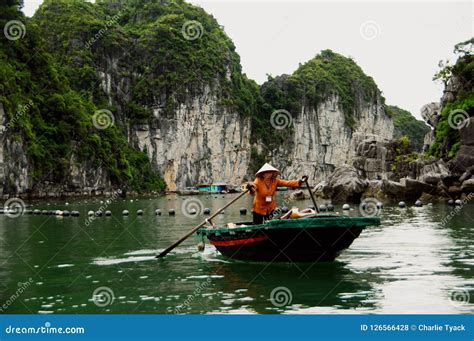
<point>131,200</point>
<point>192,211</point>
<point>171,212</point>
<point>67,204</point>
<point>418,203</point>
<point>207,210</point>
<point>243,211</point>
<point>158,212</point>
<point>37,212</point>
<point>108,213</point>
<point>284,209</point>
<point>26,212</point>
<point>66,213</point>
<point>379,205</point>
<point>330,207</point>
<point>125,212</point>
<point>402,204</point>
<point>430,204</point>
<point>98,214</point>
<point>458,202</point>
<point>346,207</point>
<point>451,202</point>
<point>44,212</point>
<point>75,213</point>
<point>90,213</point>
<point>140,212</point>
<point>101,202</point>
<point>323,208</point>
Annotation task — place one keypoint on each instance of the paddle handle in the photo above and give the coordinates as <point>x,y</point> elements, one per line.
<point>186,236</point>
<point>305,179</point>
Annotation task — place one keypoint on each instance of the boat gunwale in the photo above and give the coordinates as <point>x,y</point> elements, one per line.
<point>324,221</point>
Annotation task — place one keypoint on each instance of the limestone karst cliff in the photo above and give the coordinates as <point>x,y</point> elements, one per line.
<point>138,95</point>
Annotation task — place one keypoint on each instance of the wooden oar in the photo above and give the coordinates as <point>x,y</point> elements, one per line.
<point>186,236</point>
<point>305,179</point>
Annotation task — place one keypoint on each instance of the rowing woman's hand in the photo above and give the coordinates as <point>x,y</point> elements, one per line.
<point>251,187</point>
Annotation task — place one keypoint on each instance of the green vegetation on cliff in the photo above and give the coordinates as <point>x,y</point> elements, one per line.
<point>57,123</point>
<point>460,77</point>
<point>407,125</point>
<point>328,73</point>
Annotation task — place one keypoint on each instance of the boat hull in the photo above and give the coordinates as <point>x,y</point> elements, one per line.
<point>308,241</point>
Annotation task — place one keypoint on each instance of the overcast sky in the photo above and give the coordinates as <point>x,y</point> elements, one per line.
<point>399,44</point>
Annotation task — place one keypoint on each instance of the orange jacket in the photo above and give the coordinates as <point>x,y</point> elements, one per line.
<point>260,205</point>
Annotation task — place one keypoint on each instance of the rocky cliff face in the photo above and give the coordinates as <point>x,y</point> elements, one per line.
<point>322,141</point>
<point>180,99</point>
<point>202,143</point>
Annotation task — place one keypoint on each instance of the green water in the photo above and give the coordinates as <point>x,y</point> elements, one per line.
<point>410,264</point>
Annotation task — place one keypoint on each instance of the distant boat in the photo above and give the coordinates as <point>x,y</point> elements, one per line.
<point>312,238</point>
<point>188,191</point>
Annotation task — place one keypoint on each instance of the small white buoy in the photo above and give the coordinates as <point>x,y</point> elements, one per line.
<point>125,212</point>
<point>458,202</point>
<point>207,210</point>
<point>418,203</point>
<point>402,204</point>
<point>67,204</point>
<point>140,212</point>
<point>323,208</point>
<point>108,213</point>
<point>451,202</point>
<point>98,214</point>
<point>157,212</point>
<point>379,205</point>
<point>90,213</point>
<point>346,207</point>
<point>330,207</point>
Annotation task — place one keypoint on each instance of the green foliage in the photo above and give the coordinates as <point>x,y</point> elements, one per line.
<point>326,74</point>
<point>406,124</point>
<point>58,123</point>
<point>447,138</point>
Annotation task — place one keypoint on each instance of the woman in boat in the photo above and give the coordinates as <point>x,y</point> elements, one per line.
<point>264,188</point>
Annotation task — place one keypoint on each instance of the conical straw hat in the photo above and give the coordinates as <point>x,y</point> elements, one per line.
<point>267,168</point>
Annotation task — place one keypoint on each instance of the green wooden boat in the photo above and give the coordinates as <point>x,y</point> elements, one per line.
<point>312,238</point>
